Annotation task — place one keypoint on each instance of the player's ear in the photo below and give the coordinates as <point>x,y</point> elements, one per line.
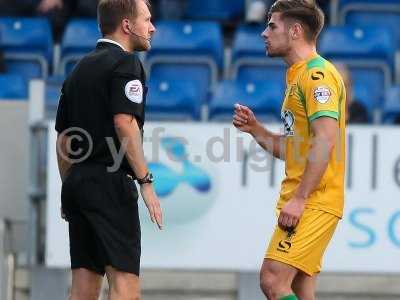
<point>295,30</point>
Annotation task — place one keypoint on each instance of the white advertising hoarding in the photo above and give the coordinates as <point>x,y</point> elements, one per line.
<point>218,191</point>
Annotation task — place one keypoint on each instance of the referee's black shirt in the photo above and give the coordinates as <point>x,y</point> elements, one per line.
<point>106,82</point>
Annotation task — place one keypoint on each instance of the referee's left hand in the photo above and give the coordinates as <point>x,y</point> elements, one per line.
<point>291,213</point>
<point>153,204</point>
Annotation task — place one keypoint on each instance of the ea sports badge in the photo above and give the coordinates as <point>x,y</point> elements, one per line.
<point>322,94</point>
<point>134,91</point>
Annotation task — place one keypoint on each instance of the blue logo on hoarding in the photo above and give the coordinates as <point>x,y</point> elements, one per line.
<point>167,180</point>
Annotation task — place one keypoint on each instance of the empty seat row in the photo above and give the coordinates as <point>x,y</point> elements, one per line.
<point>203,40</point>
<point>194,50</point>
<point>385,13</point>
<point>184,100</point>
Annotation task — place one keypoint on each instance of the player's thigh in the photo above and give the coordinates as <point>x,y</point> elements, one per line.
<point>123,285</point>
<point>276,273</point>
<point>303,286</point>
<point>86,284</point>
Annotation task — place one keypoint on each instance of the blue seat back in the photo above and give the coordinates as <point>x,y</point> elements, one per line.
<point>222,10</point>
<point>371,81</point>
<point>13,86</point>
<point>358,42</point>
<point>343,3</point>
<point>26,37</point>
<point>179,38</point>
<point>248,42</point>
<point>389,19</point>
<point>80,37</point>
<point>174,99</point>
<point>260,72</point>
<point>391,110</point>
<point>200,74</point>
<point>364,95</point>
<point>263,97</point>
<point>28,69</point>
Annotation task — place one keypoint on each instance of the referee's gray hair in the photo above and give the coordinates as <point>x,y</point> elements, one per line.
<point>110,13</point>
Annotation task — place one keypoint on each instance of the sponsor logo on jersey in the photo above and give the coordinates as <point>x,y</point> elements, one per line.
<point>134,91</point>
<point>288,122</point>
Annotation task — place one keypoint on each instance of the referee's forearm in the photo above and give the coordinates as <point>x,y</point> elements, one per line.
<point>130,136</point>
<point>269,141</point>
<point>63,164</point>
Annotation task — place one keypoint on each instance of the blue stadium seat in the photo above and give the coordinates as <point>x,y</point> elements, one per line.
<point>27,45</point>
<point>263,97</point>
<point>390,19</point>
<point>367,96</point>
<point>249,61</point>
<point>248,42</point>
<point>13,86</point>
<point>80,37</point>
<point>361,3</point>
<point>391,110</point>
<point>363,12</point>
<point>194,38</point>
<point>256,72</point>
<point>190,49</point>
<point>223,10</point>
<point>358,42</point>
<point>174,100</point>
<point>367,51</point>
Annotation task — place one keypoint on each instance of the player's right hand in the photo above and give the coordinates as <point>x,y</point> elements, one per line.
<point>244,119</point>
<point>153,204</point>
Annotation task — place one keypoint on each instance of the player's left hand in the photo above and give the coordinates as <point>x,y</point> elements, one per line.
<point>291,213</point>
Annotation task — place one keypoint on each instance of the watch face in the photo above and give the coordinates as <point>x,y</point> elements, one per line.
<point>151,177</point>
<point>147,179</point>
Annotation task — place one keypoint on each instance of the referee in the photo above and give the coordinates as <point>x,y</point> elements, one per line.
<point>99,147</point>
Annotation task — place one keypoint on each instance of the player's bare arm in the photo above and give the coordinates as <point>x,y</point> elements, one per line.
<point>130,136</point>
<point>245,120</point>
<point>325,136</point>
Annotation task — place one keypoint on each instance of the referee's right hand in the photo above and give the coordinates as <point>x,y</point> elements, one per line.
<point>153,204</point>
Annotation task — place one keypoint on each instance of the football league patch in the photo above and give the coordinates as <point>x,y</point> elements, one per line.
<point>322,94</point>
<point>134,91</point>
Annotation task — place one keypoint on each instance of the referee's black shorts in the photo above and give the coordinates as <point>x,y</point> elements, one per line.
<point>102,212</point>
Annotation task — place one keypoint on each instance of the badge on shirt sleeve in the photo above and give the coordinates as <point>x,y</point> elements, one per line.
<point>322,94</point>
<point>134,91</point>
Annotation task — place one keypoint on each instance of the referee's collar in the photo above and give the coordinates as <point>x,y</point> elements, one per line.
<point>111,42</point>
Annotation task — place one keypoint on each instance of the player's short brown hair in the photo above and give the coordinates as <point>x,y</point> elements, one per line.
<point>110,13</point>
<point>306,12</point>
